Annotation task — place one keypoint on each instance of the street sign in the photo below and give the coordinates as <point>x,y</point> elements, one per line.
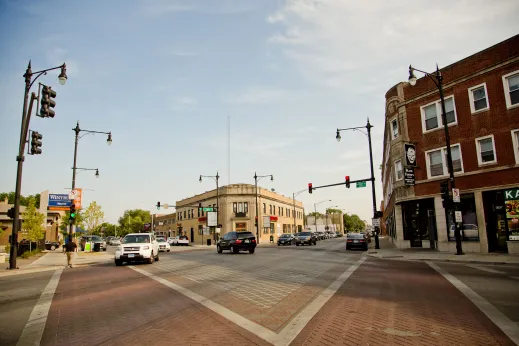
<point>456,196</point>
<point>211,219</point>
<point>361,184</point>
<point>375,222</point>
<point>207,209</point>
<point>458,216</point>
<point>409,177</point>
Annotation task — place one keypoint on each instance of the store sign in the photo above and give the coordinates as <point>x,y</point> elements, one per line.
<point>512,203</point>
<point>241,226</point>
<point>273,218</point>
<point>410,155</point>
<point>266,221</point>
<point>59,202</point>
<point>212,219</point>
<point>409,178</point>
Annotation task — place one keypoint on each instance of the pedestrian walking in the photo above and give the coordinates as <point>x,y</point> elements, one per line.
<point>69,248</point>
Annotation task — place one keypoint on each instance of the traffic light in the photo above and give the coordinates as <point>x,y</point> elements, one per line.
<point>309,187</point>
<point>73,213</point>
<point>444,190</point>
<point>36,143</point>
<point>158,205</point>
<point>47,102</point>
<point>348,181</point>
<point>10,213</point>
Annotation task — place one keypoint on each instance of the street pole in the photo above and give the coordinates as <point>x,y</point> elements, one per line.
<point>368,127</point>
<point>294,212</point>
<point>257,208</point>
<point>217,205</point>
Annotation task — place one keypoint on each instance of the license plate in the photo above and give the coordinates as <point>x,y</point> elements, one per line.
<point>355,241</point>
<point>247,241</point>
<point>131,255</point>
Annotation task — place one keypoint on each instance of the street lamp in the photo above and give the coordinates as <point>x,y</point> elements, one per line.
<point>26,118</point>
<point>256,179</point>
<point>294,194</point>
<point>315,211</point>
<point>367,134</point>
<point>437,79</point>
<point>215,178</point>
<point>88,169</point>
<point>77,131</point>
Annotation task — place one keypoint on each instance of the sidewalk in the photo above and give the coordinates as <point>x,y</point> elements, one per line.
<point>389,251</point>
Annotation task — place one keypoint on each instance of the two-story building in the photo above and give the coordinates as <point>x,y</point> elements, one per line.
<point>276,213</point>
<point>482,113</point>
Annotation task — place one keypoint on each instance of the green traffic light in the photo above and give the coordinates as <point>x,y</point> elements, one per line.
<point>72,215</point>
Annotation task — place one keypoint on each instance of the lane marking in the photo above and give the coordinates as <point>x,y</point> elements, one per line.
<point>510,328</point>
<point>485,269</point>
<point>296,325</point>
<point>33,330</point>
<point>288,334</point>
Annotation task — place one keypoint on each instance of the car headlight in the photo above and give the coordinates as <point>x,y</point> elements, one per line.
<point>146,247</point>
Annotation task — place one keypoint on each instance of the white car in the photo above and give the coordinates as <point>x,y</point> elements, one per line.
<point>163,245</point>
<point>181,240</point>
<point>137,247</point>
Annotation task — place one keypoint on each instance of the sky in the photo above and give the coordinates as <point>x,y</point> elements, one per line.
<point>168,77</point>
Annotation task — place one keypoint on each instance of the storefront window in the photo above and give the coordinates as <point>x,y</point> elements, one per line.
<point>469,227</point>
<point>512,213</point>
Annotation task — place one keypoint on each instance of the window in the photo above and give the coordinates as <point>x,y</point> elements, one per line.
<point>235,207</point>
<point>270,206</point>
<point>399,174</point>
<point>394,128</point>
<point>288,212</point>
<point>515,141</point>
<point>511,87</point>
<point>437,161</point>
<point>199,212</point>
<point>264,208</point>
<point>469,227</point>
<point>478,98</point>
<point>240,207</point>
<point>486,150</point>
<point>431,114</point>
<point>246,207</point>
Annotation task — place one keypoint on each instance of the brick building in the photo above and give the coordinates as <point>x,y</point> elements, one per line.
<point>482,109</point>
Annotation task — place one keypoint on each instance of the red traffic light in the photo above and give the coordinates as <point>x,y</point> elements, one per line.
<point>348,181</point>
<point>309,187</point>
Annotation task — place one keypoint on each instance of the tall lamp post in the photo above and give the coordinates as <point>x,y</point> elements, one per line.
<point>256,179</point>
<point>367,134</point>
<point>315,211</point>
<point>77,131</point>
<point>294,195</point>
<point>215,178</point>
<point>437,79</point>
<point>26,118</point>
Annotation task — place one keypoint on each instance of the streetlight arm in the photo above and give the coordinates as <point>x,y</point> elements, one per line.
<point>434,77</point>
<point>43,72</point>
<point>209,176</point>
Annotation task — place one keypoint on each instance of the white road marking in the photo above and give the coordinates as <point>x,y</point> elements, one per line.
<point>288,334</point>
<point>510,328</point>
<point>485,269</point>
<point>33,330</point>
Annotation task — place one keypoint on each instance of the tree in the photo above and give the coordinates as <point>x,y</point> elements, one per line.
<point>133,221</point>
<point>33,223</point>
<point>23,200</point>
<point>353,223</point>
<point>333,211</point>
<point>64,225</point>
<point>107,229</point>
<point>93,217</point>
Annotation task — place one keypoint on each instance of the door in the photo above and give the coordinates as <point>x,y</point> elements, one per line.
<point>192,239</point>
<point>495,215</point>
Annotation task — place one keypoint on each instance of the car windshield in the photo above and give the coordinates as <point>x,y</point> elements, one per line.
<point>131,239</point>
<point>242,235</point>
<point>161,240</point>
<point>182,237</point>
<point>285,235</point>
<point>305,234</point>
<point>96,238</point>
<point>356,236</point>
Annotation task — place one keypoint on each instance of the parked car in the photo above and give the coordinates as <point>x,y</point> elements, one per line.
<point>181,240</point>
<point>356,240</point>
<point>94,239</point>
<point>236,242</point>
<point>52,245</point>
<point>339,234</point>
<point>468,231</point>
<point>306,238</point>
<point>163,245</point>
<point>286,239</point>
<point>137,247</point>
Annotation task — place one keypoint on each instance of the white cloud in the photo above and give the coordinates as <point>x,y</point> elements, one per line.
<point>255,95</point>
<point>347,44</point>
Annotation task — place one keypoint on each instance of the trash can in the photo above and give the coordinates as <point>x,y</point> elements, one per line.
<point>97,247</point>
<point>208,242</point>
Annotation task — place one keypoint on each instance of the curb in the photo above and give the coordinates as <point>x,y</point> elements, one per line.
<point>22,271</point>
<point>402,258</point>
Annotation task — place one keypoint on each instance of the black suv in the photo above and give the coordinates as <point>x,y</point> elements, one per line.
<point>303,238</point>
<point>236,242</point>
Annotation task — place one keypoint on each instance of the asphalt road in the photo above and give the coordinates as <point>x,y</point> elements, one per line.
<point>308,295</point>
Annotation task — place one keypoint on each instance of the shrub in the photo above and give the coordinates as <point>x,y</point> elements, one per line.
<point>8,248</point>
<point>28,254</point>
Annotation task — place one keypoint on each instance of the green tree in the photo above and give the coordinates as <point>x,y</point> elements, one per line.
<point>33,223</point>
<point>107,229</point>
<point>353,223</point>
<point>133,221</point>
<point>93,217</point>
<point>23,200</point>
<point>333,211</point>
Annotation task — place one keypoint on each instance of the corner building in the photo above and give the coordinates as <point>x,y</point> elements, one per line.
<point>482,110</point>
<point>237,213</point>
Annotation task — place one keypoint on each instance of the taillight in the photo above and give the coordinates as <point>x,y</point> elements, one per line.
<point>349,241</point>
<point>238,241</point>
<point>253,240</point>
<point>362,241</point>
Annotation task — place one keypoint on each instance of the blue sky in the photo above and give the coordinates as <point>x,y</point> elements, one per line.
<point>166,76</point>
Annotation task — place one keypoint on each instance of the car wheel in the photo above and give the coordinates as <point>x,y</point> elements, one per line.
<point>218,249</point>
<point>278,244</point>
<point>297,244</point>
<point>118,262</point>
<point>53,248</point>
<point>251,250</point>
<point>169,250</point>
<point>157,258</point>
<point>152,257</point>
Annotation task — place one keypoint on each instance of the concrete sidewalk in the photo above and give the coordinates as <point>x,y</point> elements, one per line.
<point>389,251</point>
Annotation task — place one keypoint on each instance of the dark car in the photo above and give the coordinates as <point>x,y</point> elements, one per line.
<point>52,245</point>
<point>286,239</point>
<point>356,241</point>
<point>303,238</point>
<point>236,242</point>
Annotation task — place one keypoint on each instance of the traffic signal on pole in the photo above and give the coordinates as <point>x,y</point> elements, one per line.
<point>47,102</point>
<point>158,205</point>
<point>10,213</point>
<point>36,143</point>
<point>348,181</point>
<point>309,187</point>
<point>73,213</point>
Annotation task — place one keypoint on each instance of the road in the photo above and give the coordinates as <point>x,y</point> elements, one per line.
<point>312,295</point>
